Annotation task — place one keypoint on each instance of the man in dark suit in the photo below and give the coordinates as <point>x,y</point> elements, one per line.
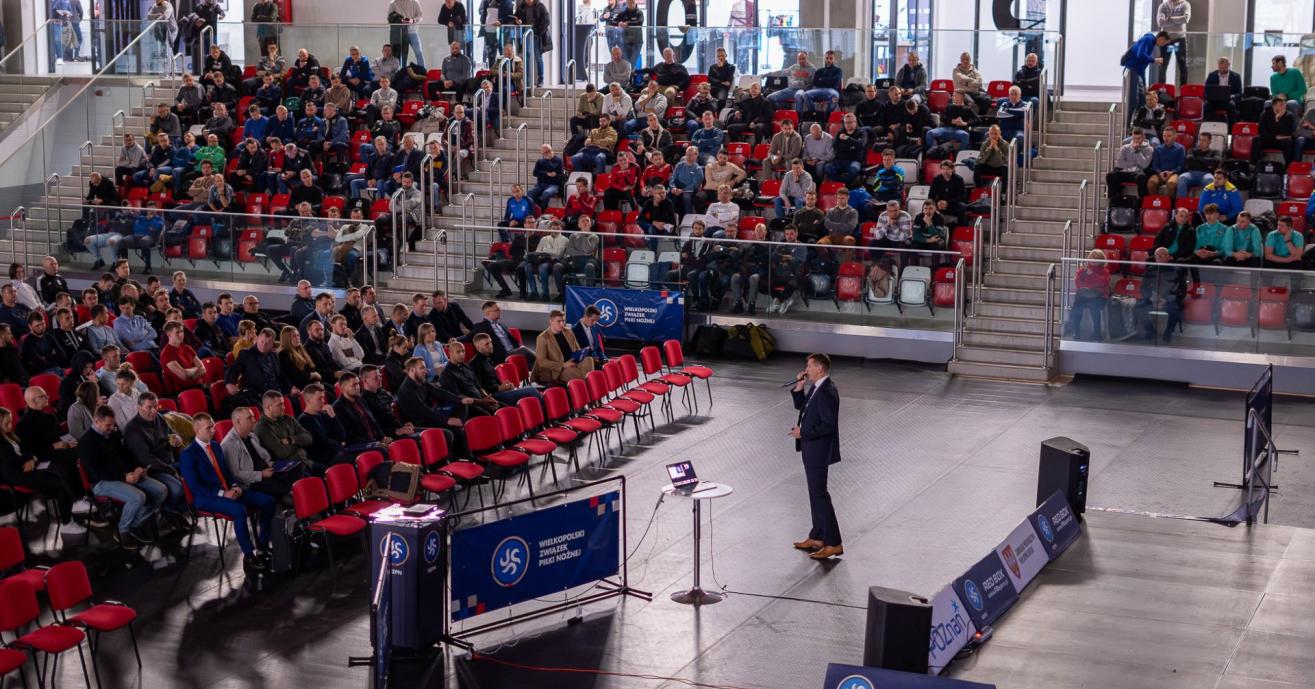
<point>215,489</point>
<point>382,403</point>
<point>503,343</point>
<point>356,418</point>
<point>818,437</point>
<point>424,405</point>
<point>371,337</point>
<point>257,369</point>
<point>323,310</point>
<point>448,317</point>
<point>590,336</point>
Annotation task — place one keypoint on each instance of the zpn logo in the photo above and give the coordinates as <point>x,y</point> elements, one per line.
<point>608,314</point>
<point>974,594</point>
<point>1047,531</point>
<point>432,546</point>
<point>855,682</point>
<point>511,559</point>
<point>394,548</point>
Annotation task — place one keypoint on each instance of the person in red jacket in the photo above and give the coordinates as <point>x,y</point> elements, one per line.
<point>1092,285</point>
<point>581,203</point>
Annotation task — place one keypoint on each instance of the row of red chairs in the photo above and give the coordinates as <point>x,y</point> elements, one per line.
<point>69,594</point>
<point>1234,306</point>
<point>1157,211</point>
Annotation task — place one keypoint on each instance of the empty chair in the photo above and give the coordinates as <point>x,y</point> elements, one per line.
<point>638,268</point>
<point>915,287</point>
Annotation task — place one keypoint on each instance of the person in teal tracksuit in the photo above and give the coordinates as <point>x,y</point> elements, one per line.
<point>1242,243</point>
<point>1210,237</point>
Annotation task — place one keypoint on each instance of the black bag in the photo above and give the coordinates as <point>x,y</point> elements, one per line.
<point>75,239</point>
<point>708,340</point>
<point>852,95</point>
<point>575,144</point>
<point>282,542</point>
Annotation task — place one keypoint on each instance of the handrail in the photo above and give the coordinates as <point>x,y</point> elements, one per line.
<point>481,109</point>
<point>1027,152</point>
<point>995,217</point>
<point>1059,67</point>
<point>1043,117</point>
<point>453,140</point>
<point>1082,215</point>
<point>1011,182</point>
<point>1050,317</point>
<point>19,213</point>
<point>397,229</point>
<point>1114,141</point>
<point>464,206</point>
<point>495,187</point>
<point>544,111</point>
<point>960,309</point>
<point>440,240</point>
<point>522,146</point>
<point>569,80</point>
<point>978,258</point>
<point>54,180</point>
<point>1098,180</point>
<point>86,149</point>
<point>504,93</point>
<point>118,119</point>
<point>1068,230</point>
<point>35,32</point>
<point>426,185</point>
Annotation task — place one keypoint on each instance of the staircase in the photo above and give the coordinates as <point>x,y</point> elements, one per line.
<point>1004,331</point>
<point>17,94</point>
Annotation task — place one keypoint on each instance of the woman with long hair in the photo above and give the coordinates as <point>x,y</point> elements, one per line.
<point>85,401</point>
<point>295,361</point>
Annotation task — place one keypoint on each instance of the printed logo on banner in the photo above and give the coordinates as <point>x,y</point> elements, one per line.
<point>1023,554</point>
<point>855,682</point>
<point>974,594</point>
<point>1047,531</point>
<point>608,314</point>
<point>432,547</point>
<point>395,549</point>
<point>511,559</point>
<point>950,630</point>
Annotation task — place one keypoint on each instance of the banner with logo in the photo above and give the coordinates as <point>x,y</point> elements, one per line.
<point>1056,525</point>
<point>858,677</point>
<point>644,315</point>
<point>1022,554</point>
<point>950,629</point>
<point>546,551</point>
<point>986,590</point>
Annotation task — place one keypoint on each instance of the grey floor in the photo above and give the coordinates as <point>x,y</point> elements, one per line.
<point>935,472</point>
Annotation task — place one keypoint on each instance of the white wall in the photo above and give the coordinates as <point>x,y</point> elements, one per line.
<point>1096,35</point>
<point>356,11</point>
<point>954,20</point>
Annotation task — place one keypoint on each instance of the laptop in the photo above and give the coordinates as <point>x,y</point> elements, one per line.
<point>775,82</point>
<point>684,480</point>
<point>1218,93</point>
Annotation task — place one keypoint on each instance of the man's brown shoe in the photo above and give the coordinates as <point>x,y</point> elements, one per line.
<point>828,551</point>
<point>809,544</point>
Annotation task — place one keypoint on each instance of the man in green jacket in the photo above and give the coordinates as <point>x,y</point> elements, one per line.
<point>1210,237</point>
<point>1288,82</point>
<point>1242,243</point>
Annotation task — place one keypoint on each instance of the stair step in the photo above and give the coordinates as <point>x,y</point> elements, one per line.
<point>1045,162</point>
<point>1085,106</point>
<point>1001,324</point>
<point>1061,215</point>
<point>1019,281</point>
<point>993,338</point>
<point>1074,177</point>
<point>1022,267</point>
<point>1032,240</point>
<point>1020,311</point>
<point>999,371</point>
<point>1010,295</point>
<point>1028,253</point>
<point>1080,126</point>
<point>1053,150</point>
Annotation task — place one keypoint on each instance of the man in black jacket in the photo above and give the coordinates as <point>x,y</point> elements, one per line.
<point>425,405</point>
<point>39,350</point>
<point>1178,236</point>
<point>448,317</point>
<point>354,414</point>
<point>114,474</point>
<point>817,436</point>
<point>1163,288</point>
<point>207,330</point>
<point>752,115</point>
<point>151,443</point>
<point>50,283</point>
<point>67,338</point>
<point>372,338</point>
<point>258,370</point>
<point>317,346</point>
<point>382,403</point>
<point>39,433</point>
<point>533,15</point>
<point>459,379</point>
<point>947,192</point>
<point>487,375</point>
<point>1277,127</point>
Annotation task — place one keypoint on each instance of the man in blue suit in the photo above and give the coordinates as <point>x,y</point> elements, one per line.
<point>215,489</point>
<point>590,336</point>
<point>818,437</point>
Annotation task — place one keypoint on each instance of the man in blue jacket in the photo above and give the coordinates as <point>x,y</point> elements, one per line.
<point>1143,53</point>
<point>356,73</point>
<point>549,173</point>
<point>216,490</point>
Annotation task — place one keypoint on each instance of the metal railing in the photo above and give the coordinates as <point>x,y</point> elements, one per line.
<point>426,182</point>
<point>480,103</point>
<point>1048,346</point>
<point>994,238</point>
<point>503,75</point>
<point>1082,213</point>
<point>978,259</point>
<point>543,111</point>
<point>1113,136</point>
<point>495,185</point>
<point>570,97</point>
<point>393,209</point>
<point>1011,181</point>
<point>960,308</point>
<point>452,138</point>
<point>1043,119</point>
<point>1098,180</point>
<point>1064,254</point>
<point>522,145</point>
<point>1027,151</point>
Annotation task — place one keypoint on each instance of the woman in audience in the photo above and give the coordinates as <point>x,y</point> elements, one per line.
<point>399,351</point>
<point>428,348</point>
<point>1092,283</point>
<point>53,482</point>
<point>11,364</point>
<point>86,400</point>
<point>296,362</point>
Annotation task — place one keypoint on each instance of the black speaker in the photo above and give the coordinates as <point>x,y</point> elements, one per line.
<point>1064,466</point>
<point>899,624</point>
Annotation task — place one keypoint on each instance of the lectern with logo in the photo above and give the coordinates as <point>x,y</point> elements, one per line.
<point>411,540</point>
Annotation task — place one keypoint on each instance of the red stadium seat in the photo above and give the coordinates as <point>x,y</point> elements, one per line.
<point>998,89</point>
<point>1128,287</point>
<point>614,261</point>
<point>943,287</point>
<point>1295,210</point>
<point>938,97</point>
<point>1139,252</point>
<point>1300,183</point>
<point>1112,245</point>
<point>1243,134</point>
<point>68,587</point>
<point>1199,306</point>
<point>1272,313</point>
<point>1234,306</point>
<point>1191,103</point>
<point>849,282</point>
<point>310,502</point>
<point>962,240</point>
<point>1155,213</point>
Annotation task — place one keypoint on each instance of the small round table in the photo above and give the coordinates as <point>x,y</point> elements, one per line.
<point>704,491</point>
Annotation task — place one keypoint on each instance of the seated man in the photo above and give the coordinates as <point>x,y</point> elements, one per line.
<point>382,404</point>
<point>826,86</point>
<point>598,147</point>
<point>215,489</point>
<point>486,373</point>
<point>329,445</point>
<point>503,344</point>
<point>250,464</point>
<point>113,474</point>
<point>1284,248</point>
<point>1129,165</point>
<point>590,336</point>
<point>425,405</point>
<point>459,378</point>
<point>1167,162</point>
<point>152,443</point>
<point>182,367</point>
<point>1163,288</point>
<point>283,436</point>
<point>134,331</point>
<point>358,422</point>
<point>557,356</point>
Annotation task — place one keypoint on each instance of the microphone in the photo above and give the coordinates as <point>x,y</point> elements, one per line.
<point>795,381</point>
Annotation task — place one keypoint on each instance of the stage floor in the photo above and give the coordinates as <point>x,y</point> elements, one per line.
<point>935,472</point>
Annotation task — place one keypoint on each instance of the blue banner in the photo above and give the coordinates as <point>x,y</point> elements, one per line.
<point>537,554</point>
<point>986,590</point>
<point>644,315</point>
<point>858,677</point>
<point>1056,525</point>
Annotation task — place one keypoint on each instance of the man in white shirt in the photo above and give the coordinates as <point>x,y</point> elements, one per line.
<point>348,354</point>
<point>412,15</point>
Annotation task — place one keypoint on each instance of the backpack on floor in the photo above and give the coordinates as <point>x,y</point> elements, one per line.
<point>708,340</point>
<point>282,543</point>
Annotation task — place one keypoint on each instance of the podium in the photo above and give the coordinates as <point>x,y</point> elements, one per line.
<point>413,544</point>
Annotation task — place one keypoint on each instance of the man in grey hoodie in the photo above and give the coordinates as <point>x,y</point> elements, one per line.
<point>1130,164</point>
<point>801,80</point>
